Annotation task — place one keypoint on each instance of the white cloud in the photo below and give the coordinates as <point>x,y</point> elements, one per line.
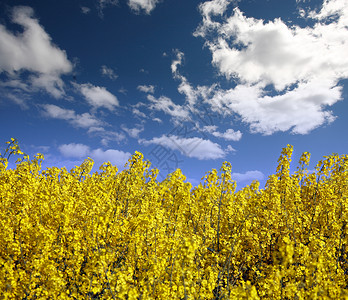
<point>210,128</point>
<point>177,62</point>
<point>51,83</point>
<point>229,134</point>
<point>108,72</point>
<point>146,88</point>
<point>32,50</point>
<point>74,150</point>
<point>158,120</point>
<point>97,96</point>
<point>122,91</point>
<point>111,136</point>
<point>332,9</point>
<point>273,53</point>
<point>184,87</point>
<point>304,66</point>
<point>87,121</point>
<point>133,132</point>
<point>57,112</point>
<point>145,6</point>
<point>300,110</point>
<point>84,120</point>
<point>247,176</point>
<point>230,149</point>
<point>116,157</point>
<point>192,94</point>
<point>208,10</point>
<point>191,147</point>
<point>166,105</point>
<point>138,113</point>
<point>18,99</point>
<point>96,129</point>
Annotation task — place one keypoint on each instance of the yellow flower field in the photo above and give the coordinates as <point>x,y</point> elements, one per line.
<point>126,235</point>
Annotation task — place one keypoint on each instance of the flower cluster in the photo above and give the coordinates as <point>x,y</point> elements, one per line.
<point>125,235</point>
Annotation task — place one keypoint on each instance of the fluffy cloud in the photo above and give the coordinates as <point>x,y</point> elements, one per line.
<point>191,147</point>
<point>146,88</point>
<point>116,157</point>
<point>303,65</point>
<point>145,6</point>
<point>273,53</point>
<point>300,110</point>
<point>332,9</point>
<point>84,120</point>
<point>166,105</point>
<point>229,134</point>
<point>97,96</point>
<point>32,50</point>
<point>108,72</point>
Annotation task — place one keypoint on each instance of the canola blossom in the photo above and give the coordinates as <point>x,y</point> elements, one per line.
<point>126,235</point>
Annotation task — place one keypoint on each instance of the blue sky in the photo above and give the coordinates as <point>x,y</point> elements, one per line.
<point>190,84</point>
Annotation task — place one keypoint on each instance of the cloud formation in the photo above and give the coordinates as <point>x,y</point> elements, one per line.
<point>116,157</point>
<point>150,89</point>
<point>228,135</point>
<point>146,6</point>
<point>166,105</point>
<point>32,50</point>
<point>108,72</point>
<point>84,120</point>
<point>133,132</point>
<point>97,96</point>
<point>273,53</point>
<point>302,65</point>
<point>191,147</point>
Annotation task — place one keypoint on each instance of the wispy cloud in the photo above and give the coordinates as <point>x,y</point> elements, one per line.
<point>85,10</point>
<point>102,4</point>
<point>166,105</point>
<point>84,120</point>
<point>108,72</point>
<point>199,148</point>
<point>133,132</point>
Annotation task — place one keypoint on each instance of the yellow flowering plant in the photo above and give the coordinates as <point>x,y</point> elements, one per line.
<point>126,235</point>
